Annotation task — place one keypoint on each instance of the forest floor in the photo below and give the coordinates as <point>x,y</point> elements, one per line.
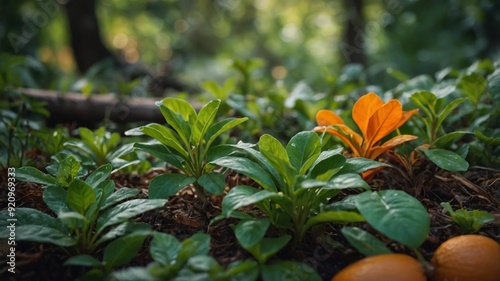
<point>326,251</point>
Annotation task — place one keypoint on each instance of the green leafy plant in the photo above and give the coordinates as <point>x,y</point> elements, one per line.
<point>250,234</point>
<point>468,221</point>
<point>296,181</point>
<point>393,213</point>
<point>52,141</point>
<point>20,118</point>
<point>186,145</point>
<point>99,147</point>
<point>60,173</point>
<point>117,253</point>
<point>175,260</point>
<point>89,212</point>
<point>436,111</point>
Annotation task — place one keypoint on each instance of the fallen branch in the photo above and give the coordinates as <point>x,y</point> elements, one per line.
<point>67,107</point>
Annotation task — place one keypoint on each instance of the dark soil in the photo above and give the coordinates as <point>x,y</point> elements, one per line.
<point>326,250</point>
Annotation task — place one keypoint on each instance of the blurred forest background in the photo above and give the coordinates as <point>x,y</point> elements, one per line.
<point>108,45</point>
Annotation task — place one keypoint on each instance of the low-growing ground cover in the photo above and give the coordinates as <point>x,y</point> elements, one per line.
<point>246,188</point>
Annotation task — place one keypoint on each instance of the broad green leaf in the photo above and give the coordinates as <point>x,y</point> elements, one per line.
<point>290,271</point>
<point>124,229</point>
<point>260,159</point>
<point>335,217</point>
<point>447,110</point>
<point>446,139</point>
<point>91,140</point>
<point>28,216</point>
<point>123,150</point>
<point>161,152</point>
<point>268,247</point>
<point>31,174</point>
<point>328,164</point>
<point>122,250</point>
<point>213,182</point>
<point>359,165</point>
<point>277,155</point>
<point>204,120</point>
<point>364,242</point>
<point>164,248</point>
<point>181,121</point>
<point>396,215</point>
<point>344,181</point>
<point>72,220</point>
<point>181,107</point>
<point>251,232</point>
<point>80,196</point>
<point>426,101</point>
<point>446,159</point>
<point>473,86</point>
<point>165,185</point>
<point>220,127</point>
<point>83,260</point>
<point>199,244</point>
<point>248,168</point>
<point>301,148</point>
<point>127,210</point>
<point>55,198</point>
<point>119,195</point>
<point>43,234</point>
<point>33,225</point>
<point>165,136</point>
<point>203,264</point>
<point>99,175</point>
<point>246,270</point>
<point>241,195</point>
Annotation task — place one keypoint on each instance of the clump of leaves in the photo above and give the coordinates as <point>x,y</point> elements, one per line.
<point>96,148</point>
<point>21,116</point>
<point>89,212</point>
<point>186,144</point>
<point>251,236</point>
<point>189,259</point>
<point>468,221</point>
<point>296,180</point>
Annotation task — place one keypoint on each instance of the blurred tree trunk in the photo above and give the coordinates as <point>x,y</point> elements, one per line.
<point>353,45</point>
<point>86,41</point>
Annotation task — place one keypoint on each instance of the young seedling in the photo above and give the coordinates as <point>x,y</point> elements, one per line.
<point>468,221</point>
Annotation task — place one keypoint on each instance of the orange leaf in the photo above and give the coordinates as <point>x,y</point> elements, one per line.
<point>385,120</point>
<point>376,151</point>
<point>363,110</point>
<point>345,134</point>
<point>406,116</point>
<point>327,118</point>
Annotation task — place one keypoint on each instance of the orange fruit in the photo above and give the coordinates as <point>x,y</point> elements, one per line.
<point>386,267</point>
<point>467,258</point>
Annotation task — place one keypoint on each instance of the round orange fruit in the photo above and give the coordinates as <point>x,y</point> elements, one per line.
<point>467,258</point>
<point>387,267</point>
